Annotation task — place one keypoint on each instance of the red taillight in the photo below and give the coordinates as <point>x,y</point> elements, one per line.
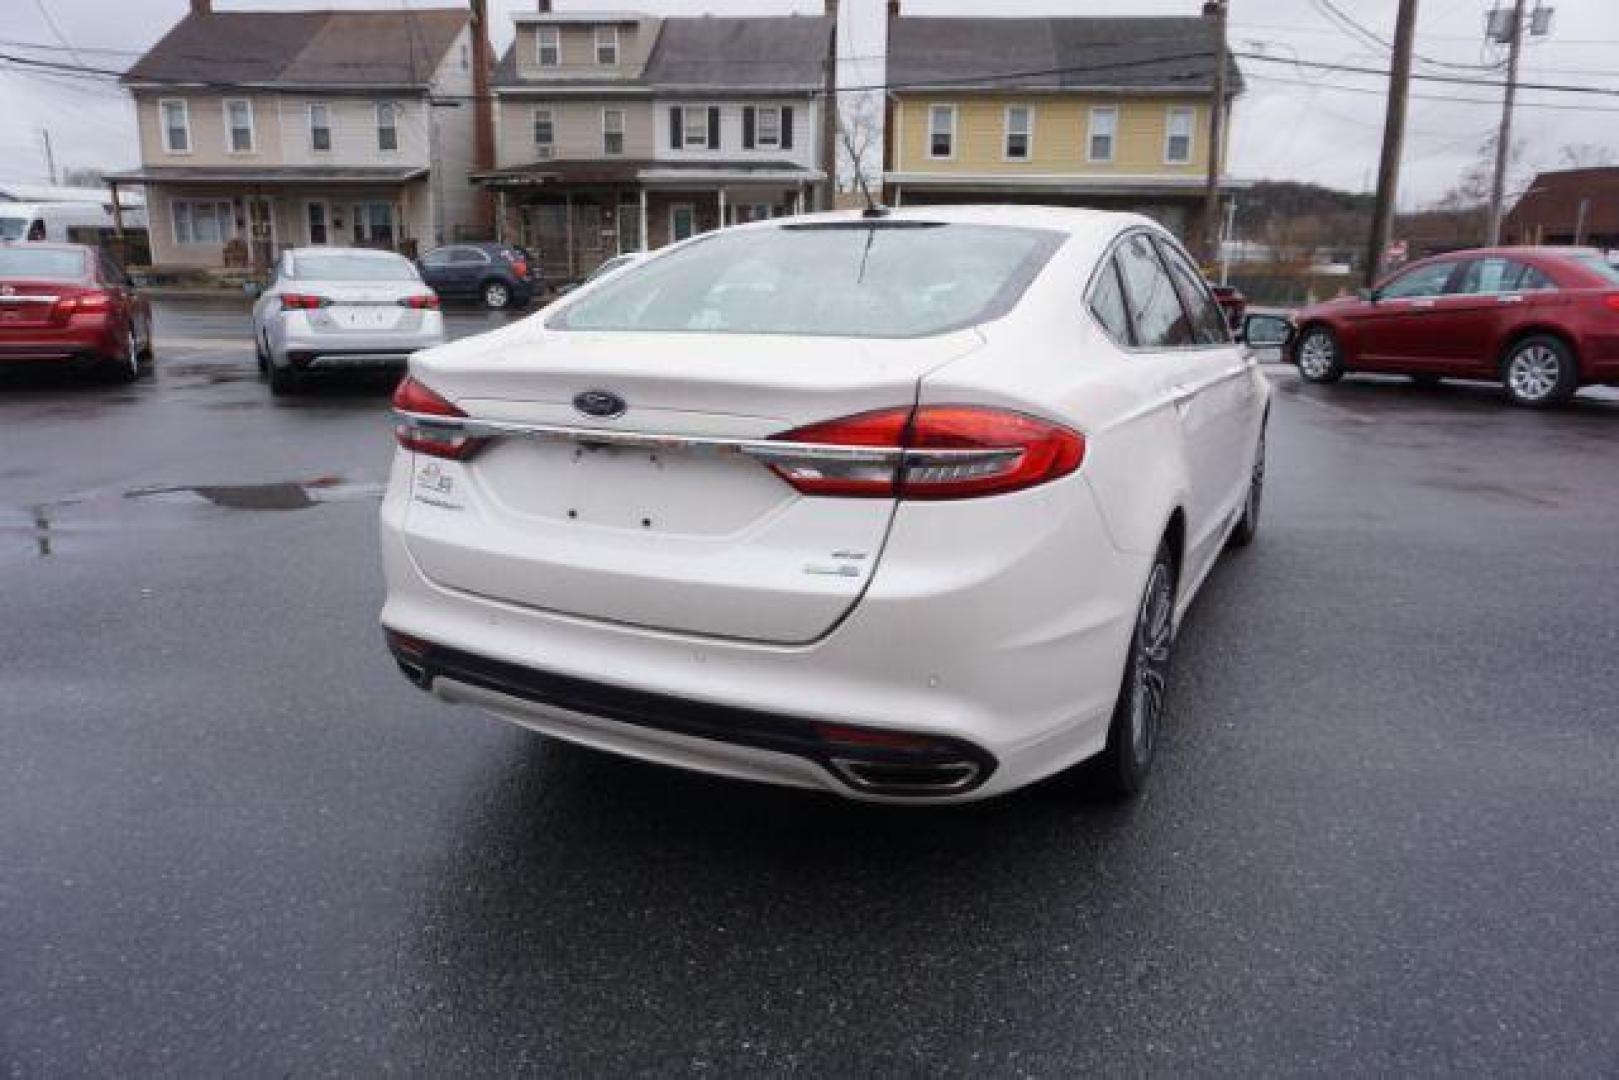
<point>520,268</point>
<point>1612,300</point>
<point>416,430</point>
<point>428,302</point>
<point>302,302</point>
<point>85,303</point>
<point>935,452</point>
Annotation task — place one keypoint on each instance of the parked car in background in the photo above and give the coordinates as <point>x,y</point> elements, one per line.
<point>1233,303</point>
<point>1541,321</point>
<point>925,523</point>
<point>65,222</point>
<point>336,309</point>
<point>70,304</point>
<point>496,275</point>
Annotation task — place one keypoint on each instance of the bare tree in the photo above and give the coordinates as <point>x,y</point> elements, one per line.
<point>860,149</point>
<point>1587,156</point>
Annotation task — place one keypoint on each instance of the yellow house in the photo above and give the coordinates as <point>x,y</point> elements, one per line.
<point>1104,112</point>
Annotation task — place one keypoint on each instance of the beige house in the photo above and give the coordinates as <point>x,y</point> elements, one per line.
<point>263,130</point>
<point>621,132</point>
<point>1106,112</point>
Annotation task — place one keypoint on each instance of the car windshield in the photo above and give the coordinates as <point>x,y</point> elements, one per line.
<point>12,228</point>
<point>48,264</point>
<point>1599,266</point>
<point>343,266</point>
<point>854,279</point>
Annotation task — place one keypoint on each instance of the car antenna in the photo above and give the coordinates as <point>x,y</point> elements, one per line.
<point>874,209</point>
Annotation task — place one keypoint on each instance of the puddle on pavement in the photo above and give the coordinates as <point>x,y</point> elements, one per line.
<point>42,527</point>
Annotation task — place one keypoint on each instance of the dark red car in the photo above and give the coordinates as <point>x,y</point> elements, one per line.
<point>1541,321</point>
<point>68,304</point>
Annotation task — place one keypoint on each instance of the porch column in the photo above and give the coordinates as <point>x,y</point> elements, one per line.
<point>500,216</point>
<point>798,200</point>
<point>899,196</point>
<point>645,244</point>
<point>567,204</point>
<point>722,207</point>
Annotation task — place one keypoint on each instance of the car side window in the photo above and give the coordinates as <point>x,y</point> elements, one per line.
<point>1208,321</point>
<point>1155,307</point>
<point>1107,303</point>
<point>1424,281</point>
<point>437,257</point>
<point>1534,279</point>
<point>464,255</point>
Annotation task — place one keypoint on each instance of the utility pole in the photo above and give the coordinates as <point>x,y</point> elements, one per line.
<point>1503,139</point>
<point>1227,237</point>
<point>1215,10</point>
<point>50,158</point>
<point>1388,172</point>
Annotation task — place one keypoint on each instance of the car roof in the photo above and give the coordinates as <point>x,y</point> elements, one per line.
<point>364,253</point>
<point>51,245</point>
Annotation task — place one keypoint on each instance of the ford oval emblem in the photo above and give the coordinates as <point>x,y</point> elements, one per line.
<point>600,403</point>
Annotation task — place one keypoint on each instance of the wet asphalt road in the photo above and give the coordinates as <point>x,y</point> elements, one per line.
<point>1384,836</point>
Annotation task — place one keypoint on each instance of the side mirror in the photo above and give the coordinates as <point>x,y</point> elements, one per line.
<point>1266,331</point>
<point>1368,295</point>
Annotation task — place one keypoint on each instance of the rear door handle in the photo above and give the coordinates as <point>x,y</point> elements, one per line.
<point>1422,303</point>
<point>1510,299</point>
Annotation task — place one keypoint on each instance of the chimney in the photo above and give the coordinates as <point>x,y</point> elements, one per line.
<point>544,6</point>
<point>202,7</point>
<point>483,116</point>
<point>829,114</point>
<point>893,9</point>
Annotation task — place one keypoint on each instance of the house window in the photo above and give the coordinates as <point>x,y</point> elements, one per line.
<point>1019,132</point>
<point>695,128</point>
<point>612,132</point>
<point>202,221</point>
<point>550,46</point>
<point>941,131</point>
<point>1178,136</point>
<point>320,127</point>
<point>768,131</point>
<point>1104,133</point>
<point>176,126</point>
<point>387,126</point>
<point>545,135</point>
<point>315,218</point>
<point>239,125</point>
<point>607,46</point>
<point>374,224</point>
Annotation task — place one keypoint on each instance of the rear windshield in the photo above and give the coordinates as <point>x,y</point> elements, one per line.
<point>851,279</point>
<point>338,266</point>
<point>47,264</point>
<point>1599,266</point>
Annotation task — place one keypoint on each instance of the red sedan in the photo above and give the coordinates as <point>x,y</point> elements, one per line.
<point>1541,321</point>
<point>69,304</point>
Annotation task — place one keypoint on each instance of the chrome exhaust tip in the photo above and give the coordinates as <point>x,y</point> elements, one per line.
<point>907,778</point>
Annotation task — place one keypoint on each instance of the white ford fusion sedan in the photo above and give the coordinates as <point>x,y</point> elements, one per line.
<point>906,507</point>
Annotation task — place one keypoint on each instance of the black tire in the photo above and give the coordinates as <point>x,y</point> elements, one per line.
<point>1248,525</point>
<point>127,367</point>
<point>1318,355</point>
<point>1540,372</point>
<point>1121,769</point>
<point>496,295</point>
<point>284,381</point>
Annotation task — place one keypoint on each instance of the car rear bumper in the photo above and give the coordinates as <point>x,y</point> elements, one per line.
<point>1003,641</point>
<point>77,343</point>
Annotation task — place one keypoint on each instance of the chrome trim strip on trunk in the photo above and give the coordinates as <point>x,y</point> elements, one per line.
<point>762,449</point>
<point>18,298</point>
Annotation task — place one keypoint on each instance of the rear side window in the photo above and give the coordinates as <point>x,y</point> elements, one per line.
<point>1155,307</point>
<point>1107,304</point>
<point>44,264</point>
<point>1596,264</point>
<point>1208,321</point>
<point>1499,275</point>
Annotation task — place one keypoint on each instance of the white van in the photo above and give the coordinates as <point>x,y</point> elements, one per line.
<point>65,222</point>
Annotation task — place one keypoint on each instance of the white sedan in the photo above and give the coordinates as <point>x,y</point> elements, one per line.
<point>904,507</point>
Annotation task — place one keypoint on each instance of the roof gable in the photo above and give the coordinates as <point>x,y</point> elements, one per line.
<point>304,48</point>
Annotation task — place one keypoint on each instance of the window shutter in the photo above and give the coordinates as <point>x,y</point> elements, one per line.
<point>713,127</point>
<point>786,127</point>
<point>677,134</point>
<point>747,127</point>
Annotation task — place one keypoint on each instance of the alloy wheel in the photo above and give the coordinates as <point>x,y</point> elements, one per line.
<point>496,296</point>
<point>1317,354</point>
<point>1150,677</point>
<point>1533,372</point>
<point>133,353</point>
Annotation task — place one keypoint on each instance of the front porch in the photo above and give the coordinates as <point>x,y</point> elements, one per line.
<point>201,219</point>
<point>573,216</point>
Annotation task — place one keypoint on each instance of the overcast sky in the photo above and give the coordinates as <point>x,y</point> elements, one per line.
<point>1292,123</point>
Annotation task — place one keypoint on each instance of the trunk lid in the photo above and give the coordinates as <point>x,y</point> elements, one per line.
<point>365,307</point>
<point>33,304</point>
<point>682,538</point>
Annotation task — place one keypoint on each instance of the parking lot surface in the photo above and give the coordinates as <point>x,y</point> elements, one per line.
<point>1383,837</point>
